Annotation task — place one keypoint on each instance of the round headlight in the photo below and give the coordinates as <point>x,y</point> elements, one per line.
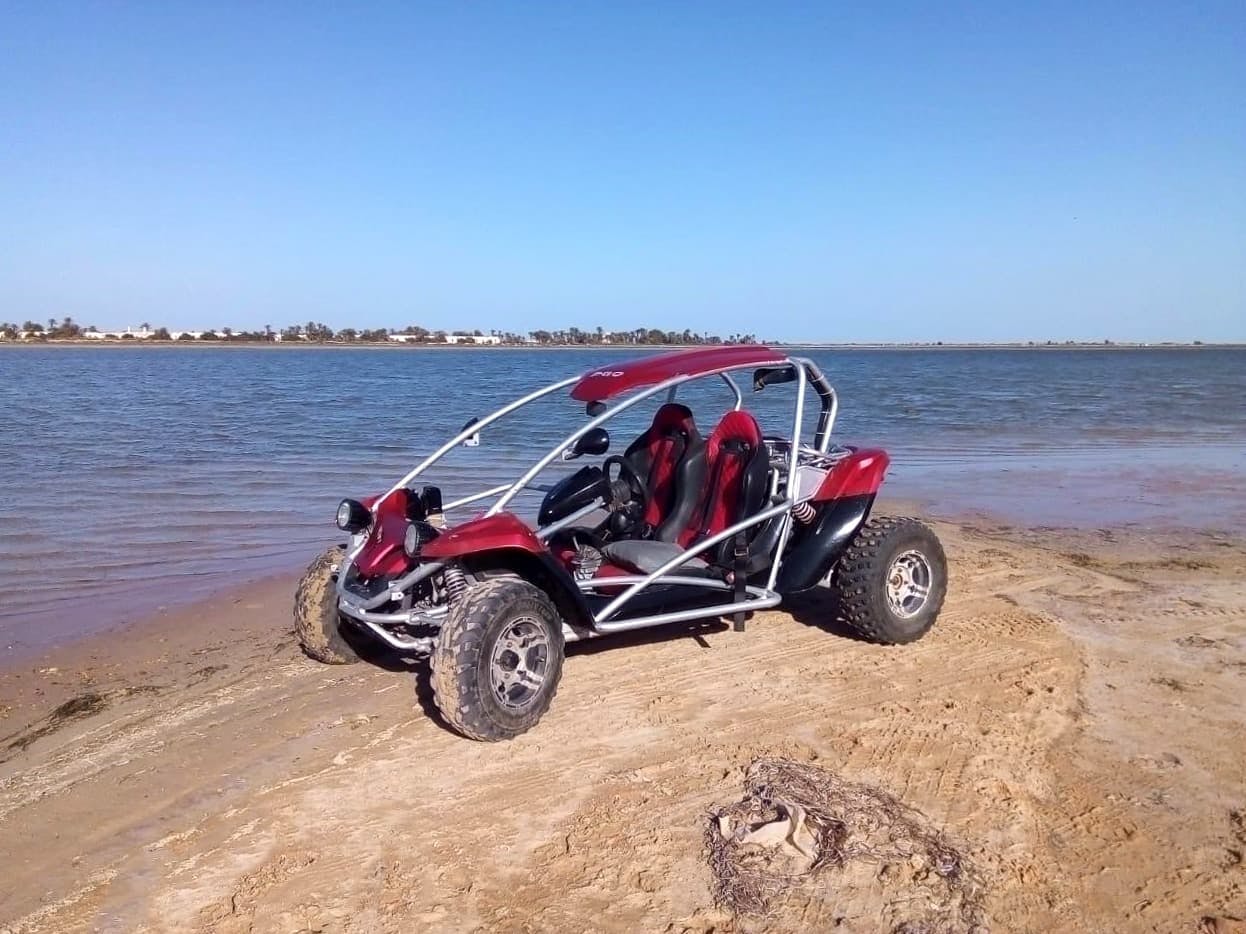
<point>353,516</point>
<point>418,533</point>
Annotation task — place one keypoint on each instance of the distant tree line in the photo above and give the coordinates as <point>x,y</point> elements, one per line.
<point>316,332</point>
<point>65,329</point>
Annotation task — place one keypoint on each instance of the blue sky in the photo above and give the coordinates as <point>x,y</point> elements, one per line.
<point>819,171</point>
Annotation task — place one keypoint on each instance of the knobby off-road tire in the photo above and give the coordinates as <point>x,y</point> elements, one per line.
<point>501,630</point>
<point>316,618</point>
<point>879,578</point>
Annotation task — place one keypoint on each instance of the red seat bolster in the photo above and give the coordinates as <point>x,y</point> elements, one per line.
<point>720,498</point>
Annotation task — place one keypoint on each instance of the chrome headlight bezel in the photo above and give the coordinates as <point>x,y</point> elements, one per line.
<point>353,516</point>
<point>418,534</point>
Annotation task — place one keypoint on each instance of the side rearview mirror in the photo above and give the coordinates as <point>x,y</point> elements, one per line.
<point>594,442</point>
<point>768,376</point>
<point>474,440</point>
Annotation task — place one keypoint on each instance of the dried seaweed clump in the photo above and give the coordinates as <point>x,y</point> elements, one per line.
<point>84,705</point>
<point>839,822</point>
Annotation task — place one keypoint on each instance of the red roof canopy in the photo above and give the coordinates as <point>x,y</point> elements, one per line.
<point>613,379</point>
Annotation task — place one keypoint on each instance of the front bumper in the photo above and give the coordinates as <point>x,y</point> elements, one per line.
<point>420,617</point>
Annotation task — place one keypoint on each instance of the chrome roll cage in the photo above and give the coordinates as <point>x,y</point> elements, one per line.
<point>604,621</point>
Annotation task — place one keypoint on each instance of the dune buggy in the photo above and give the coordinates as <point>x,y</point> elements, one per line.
<point>680,526</point>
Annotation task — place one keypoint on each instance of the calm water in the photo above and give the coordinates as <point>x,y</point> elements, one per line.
<point>135,479</point>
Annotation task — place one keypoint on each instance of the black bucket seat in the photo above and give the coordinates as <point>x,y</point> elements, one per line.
<point>670,458</point>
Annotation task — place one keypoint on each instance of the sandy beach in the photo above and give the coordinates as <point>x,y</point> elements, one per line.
<point>1074,722</point>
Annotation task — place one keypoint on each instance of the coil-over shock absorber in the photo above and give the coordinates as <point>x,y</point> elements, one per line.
<point>456,584</point>
<point>804,513</point>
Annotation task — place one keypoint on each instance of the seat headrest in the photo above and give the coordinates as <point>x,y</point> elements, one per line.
<point>738,426</point>
<point>673,416</point>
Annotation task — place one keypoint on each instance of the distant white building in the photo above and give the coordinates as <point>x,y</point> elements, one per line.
<point>141,334</point>
<point>450,338</point>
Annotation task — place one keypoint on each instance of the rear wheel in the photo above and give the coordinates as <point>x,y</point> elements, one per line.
<point>498,660</point>
<point>891,580</point>
<point>317,621</point>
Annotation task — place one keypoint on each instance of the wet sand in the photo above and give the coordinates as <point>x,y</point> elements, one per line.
<point>1075,721</point>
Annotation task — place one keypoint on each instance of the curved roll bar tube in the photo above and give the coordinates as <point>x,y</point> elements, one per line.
<point>474,429</point>
<point>830,403</point>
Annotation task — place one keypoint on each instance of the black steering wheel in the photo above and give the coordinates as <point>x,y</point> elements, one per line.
<point>629,494</point>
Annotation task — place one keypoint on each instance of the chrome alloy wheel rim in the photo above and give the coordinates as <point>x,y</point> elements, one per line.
<point>908,584</point>
<point>519,663</point>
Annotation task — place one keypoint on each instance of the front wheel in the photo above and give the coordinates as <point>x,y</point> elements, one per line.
<point>498,660</point>
<point>317,622</point>
<point>891,580</point>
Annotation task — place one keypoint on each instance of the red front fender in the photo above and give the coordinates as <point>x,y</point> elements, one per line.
<point>490,533</point>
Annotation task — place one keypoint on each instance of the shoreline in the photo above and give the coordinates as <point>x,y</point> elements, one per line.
<point>150,623</point>
<point>212,771</point>
<point>152,609</point>
<point>169,623</point>
<point>155,611</point>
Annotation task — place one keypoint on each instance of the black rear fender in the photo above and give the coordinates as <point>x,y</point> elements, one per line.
<point>817,547</point>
